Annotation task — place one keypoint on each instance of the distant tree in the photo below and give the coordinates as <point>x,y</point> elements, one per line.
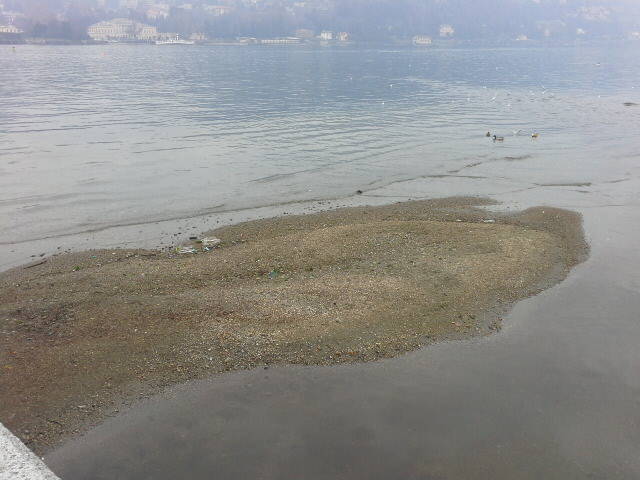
<point>38,30</point>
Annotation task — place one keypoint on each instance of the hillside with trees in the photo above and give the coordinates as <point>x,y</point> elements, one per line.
<point>365,20</point>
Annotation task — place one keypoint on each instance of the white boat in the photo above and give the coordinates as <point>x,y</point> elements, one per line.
<point>422,41</point>
<point>175,41</point>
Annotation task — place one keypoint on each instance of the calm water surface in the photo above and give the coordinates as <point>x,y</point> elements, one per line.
<point>96,137</point>
<point>103,146</point>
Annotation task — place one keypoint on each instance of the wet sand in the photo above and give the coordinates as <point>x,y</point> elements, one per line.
<point>85,335</point>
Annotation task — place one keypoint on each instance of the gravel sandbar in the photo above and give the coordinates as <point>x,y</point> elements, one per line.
<point>83,335</point>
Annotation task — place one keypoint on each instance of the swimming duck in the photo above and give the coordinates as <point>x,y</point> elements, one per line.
<point>535,135</point>
<point>498,139</point>
<point>488,134</point>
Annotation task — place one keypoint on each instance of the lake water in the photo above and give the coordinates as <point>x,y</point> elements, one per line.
<point>93,138</point>
<point>139,145</point>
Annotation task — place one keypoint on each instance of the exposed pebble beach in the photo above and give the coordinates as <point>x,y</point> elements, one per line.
<point>82,335</point>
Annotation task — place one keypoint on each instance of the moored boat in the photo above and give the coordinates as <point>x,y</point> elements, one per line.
<point>175,41</point>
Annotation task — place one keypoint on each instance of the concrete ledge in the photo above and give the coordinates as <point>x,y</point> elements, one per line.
<point>17,462</point>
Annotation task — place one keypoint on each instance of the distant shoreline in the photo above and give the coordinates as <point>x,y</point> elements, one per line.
<point>406,43</point>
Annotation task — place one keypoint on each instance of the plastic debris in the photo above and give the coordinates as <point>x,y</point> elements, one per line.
<point>210,241</point>
<point>489,220</point>
<point>273,274</point>
<point>183,250</point>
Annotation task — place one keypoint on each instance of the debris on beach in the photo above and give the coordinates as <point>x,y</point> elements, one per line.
<point>273,274</point>
<point>185,250</point>
<point>35,264</point>
<point>210,242</point>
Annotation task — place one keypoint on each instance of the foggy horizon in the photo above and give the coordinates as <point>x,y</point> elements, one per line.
<point>363,20</point>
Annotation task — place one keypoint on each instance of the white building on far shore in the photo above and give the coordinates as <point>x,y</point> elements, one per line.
<point>10,29</point>
<point>280,41</point>
<point>326,35</point>
<point>158,10</point>
<point>217,10</point>
<point>198,37</point>
<point>122,29</point>
<point>446,31</point>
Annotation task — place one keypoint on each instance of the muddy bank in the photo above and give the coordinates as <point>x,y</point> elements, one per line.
<point>83,335</point>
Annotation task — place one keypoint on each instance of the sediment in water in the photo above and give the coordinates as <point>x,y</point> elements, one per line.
<point>83,334</point>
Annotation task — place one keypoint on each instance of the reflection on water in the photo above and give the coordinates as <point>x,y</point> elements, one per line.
<point>108,135</point>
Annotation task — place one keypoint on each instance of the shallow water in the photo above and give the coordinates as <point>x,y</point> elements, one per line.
<point>102,136</point>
